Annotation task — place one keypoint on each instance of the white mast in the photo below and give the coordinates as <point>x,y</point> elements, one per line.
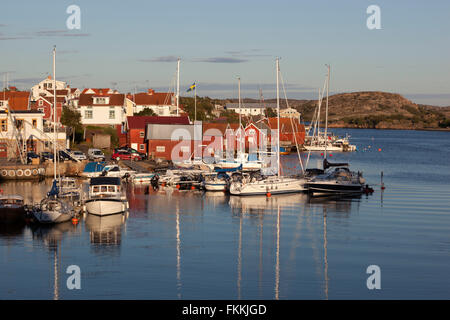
<point>240,115</point>
<point>278,115</point>
<point>195,101</point>
<point>54,112</point>
<point>326,110</point>
<point>178,84</point>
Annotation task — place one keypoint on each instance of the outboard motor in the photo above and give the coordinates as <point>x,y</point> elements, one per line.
<point>155,182</point>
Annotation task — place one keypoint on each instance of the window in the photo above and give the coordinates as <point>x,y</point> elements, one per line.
<point>41,109</point>
<point>34,122</point>
<point>88,114</point>
<point>1,103</point>
<point>41,103</point>
<point>141,134</point>
<point>4,125</point>
<point>112,113</point>
<point>160,149</point>
<point>142,147</point>
<point>19,123</point>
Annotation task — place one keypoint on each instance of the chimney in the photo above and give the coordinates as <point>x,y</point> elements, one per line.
<point>150,92</point>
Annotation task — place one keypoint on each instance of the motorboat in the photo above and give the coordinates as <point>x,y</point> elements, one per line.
<point>12,208</point>
<point>218,181</point>
<point>106,197</point>
<point>114,170</point>
<point>142,178</point>
<point>93,169</point>
<point>68,188</point>
<point>339,180</point>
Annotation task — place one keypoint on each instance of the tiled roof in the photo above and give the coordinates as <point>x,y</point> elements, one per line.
<point>114,100</point>
<point>219,126</point>
<point>17,100</point>
<point>154,98</point>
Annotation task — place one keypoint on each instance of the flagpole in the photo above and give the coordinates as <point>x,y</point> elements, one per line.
<point>195,100</point>
<point>178,84</point>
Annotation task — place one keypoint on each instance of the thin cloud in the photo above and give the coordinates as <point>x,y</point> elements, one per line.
<point>160,59</point>
<point>2,38</point>
<point>220,60</point>
<point>59,33</point>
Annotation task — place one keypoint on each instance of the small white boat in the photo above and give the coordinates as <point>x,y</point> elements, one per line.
<point>12,208</point>
<point>113,170</point>
<point>216,182</point>
<point>142,178</point>
<point>106,197</point>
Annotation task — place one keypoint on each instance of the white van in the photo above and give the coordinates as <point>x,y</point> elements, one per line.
<point>96,155</point>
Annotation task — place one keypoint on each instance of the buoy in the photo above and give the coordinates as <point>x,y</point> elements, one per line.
<point>163,184</point>
<point>379,149</point>
<point>192,188</point>
<point>74,221</point>
<point>178,186</point>
<point>321,154</point>
<point>331,155</point>
<point>268,194</point>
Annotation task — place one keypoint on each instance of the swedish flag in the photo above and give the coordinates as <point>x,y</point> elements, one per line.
<point>192,87</point>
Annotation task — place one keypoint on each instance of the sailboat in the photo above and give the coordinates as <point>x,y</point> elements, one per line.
<point>54,208</point>
<point>321,141</point>
<point>253,184</point>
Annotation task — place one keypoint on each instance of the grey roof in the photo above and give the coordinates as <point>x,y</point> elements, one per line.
<point>173,131</point>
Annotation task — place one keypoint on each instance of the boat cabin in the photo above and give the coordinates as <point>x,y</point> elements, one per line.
<point>11,201</point>
<point>105,187</point>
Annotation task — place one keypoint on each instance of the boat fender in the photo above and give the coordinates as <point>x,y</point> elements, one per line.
<point>27,172</point>
<point>19,172</point>
<point>35,172</point>
<point>4,173</point>
<point>11,173</point>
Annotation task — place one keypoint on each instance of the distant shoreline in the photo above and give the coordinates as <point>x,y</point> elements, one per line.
<point>410,129</point>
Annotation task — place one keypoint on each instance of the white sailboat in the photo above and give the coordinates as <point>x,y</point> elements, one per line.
<point>54,208</point>
<point>322,141</point>
<point>252,184</point>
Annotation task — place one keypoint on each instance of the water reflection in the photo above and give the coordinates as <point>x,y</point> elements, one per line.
<point>105,233</point>
<point>51,236</point>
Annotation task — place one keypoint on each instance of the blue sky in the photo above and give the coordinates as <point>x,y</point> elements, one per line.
<point>128,44</point>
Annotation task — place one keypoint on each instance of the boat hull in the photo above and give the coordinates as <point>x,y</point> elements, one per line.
<point>45,216</point>
<point>281,186</point>
<point>12,215</point>
<point>216,186</point>
<point>105,207</point>
<point>333,188</point>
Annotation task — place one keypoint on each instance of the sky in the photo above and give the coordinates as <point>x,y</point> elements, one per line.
<point>133,45</point>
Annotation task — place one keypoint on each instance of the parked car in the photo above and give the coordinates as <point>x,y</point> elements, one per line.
<point>63,155</point>
<point>96,155</point>
<point>125,155</point>
<point>31,156</point>
<point>46,156</point>
<point>128,149</point>
<point>78,155</point>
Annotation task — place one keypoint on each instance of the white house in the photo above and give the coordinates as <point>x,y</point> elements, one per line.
<point>45,87</point>
<point>102,109</point>
<point>250,109</point>
<point>289,113</point>
<point>162,103</point>
<point>26,129</point>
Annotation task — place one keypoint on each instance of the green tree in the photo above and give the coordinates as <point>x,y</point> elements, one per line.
<point>72,120</point>
<point>270,113</point>
<point>146,112</point>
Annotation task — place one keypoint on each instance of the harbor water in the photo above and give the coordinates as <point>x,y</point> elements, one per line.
<point>176,244</point>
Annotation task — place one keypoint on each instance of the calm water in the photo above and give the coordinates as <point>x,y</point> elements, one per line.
<point>194,245</point>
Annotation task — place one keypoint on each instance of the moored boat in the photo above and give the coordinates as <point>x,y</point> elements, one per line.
<point>105,197</point>
<point>12,209</point>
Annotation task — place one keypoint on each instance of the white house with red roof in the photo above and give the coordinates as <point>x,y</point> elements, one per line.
<point>46,86</point>
<point>102,109</point>
<point>162,103</point>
